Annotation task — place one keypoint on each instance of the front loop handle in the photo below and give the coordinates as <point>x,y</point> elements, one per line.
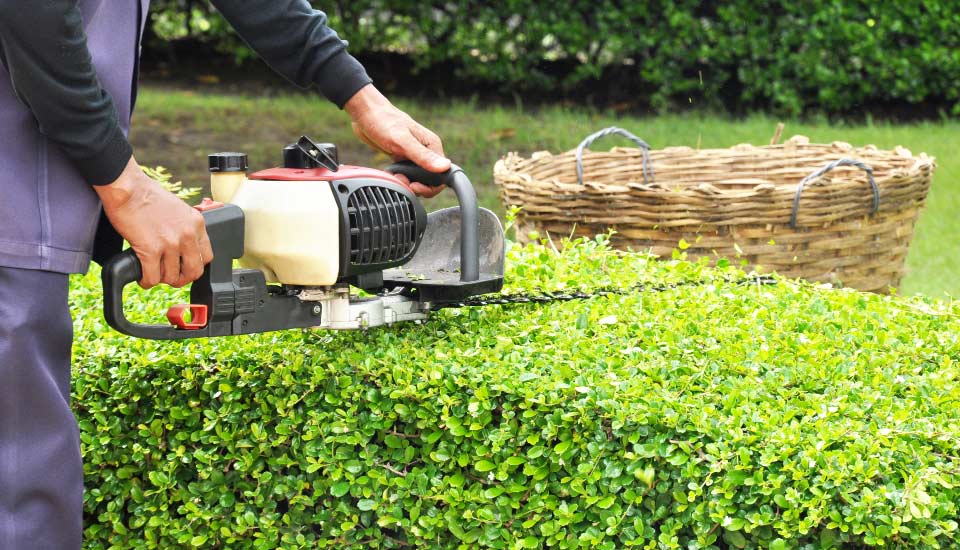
<point>824,170</point>
<point>644,146</point>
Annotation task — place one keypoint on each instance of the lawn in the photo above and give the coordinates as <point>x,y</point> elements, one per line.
<point>177,129</point>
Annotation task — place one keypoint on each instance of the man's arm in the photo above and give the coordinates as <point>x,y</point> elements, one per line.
<point>44,49</point>
<point>295,41</point>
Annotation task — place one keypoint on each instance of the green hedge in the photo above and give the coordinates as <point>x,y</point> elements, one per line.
<point>715,415</point>
<point>824,55</point>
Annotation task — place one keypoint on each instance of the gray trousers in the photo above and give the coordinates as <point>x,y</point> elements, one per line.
<point>41,473</point>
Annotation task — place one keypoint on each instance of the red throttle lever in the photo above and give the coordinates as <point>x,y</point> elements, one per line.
<point>177,315</point>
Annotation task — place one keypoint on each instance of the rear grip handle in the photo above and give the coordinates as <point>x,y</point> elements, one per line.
<point>420,175</point>
<point>457,180</point>
<point>120,271</point>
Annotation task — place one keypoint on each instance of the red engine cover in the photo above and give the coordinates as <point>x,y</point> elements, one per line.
<point>323,174</point>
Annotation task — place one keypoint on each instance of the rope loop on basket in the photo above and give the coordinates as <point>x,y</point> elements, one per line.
<point>644,147</point>
<point>824,170</point>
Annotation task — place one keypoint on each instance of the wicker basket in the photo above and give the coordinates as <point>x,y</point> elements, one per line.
<point>828,213</point>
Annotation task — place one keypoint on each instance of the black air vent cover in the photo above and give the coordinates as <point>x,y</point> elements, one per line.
<point>383,226</point>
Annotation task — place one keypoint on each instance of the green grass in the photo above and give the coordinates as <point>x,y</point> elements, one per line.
<point>178,129</point>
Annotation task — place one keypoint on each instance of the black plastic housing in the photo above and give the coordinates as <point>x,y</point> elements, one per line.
<point>381,224</point>
<point>238,301</point>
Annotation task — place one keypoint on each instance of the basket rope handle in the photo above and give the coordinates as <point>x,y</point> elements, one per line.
<point>644,146</point>
<point>824,170</point>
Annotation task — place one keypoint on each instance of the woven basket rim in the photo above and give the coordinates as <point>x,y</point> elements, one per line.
<point>907,164</point>
<point>716,187</point>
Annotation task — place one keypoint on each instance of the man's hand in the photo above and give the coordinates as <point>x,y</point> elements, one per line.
<point>168,236</point>
<point>385,128</point>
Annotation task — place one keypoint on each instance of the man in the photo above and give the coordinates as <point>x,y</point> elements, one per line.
<point>67,88</point>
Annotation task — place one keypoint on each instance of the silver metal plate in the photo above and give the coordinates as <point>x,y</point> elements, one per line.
<point>341,311</point>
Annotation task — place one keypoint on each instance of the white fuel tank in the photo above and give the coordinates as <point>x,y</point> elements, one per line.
<point>292,230</point>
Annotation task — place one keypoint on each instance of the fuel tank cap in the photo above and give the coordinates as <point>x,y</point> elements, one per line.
<point>306,153</point>
<point>228,162</point>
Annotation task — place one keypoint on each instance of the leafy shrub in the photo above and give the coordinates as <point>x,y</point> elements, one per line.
<point>714,415</point>
<point>165,178</point>
<point>786,56</point>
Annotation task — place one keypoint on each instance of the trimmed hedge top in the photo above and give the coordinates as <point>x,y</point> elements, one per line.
<point>714,415</point>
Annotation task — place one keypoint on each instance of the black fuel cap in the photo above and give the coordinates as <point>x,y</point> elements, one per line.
<point>228,162</point>
<point>306,153</point>
<point>293,157</point>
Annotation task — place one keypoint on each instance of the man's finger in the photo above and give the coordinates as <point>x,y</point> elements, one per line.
<point>149,269</point>
<point>428,139</point>
<point>191,264</point>
<point>426,191</point>
<point>170,268</point>
<point>206,249</point>
<point>422,156</point>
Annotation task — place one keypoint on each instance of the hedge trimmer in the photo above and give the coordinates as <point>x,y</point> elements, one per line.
<point>307,232</point>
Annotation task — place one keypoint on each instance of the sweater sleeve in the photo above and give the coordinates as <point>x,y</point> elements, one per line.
<point>296,42</point>
<point>43,47</point>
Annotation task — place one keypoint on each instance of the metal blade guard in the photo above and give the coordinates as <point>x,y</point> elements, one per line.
<point>462,250</point>
<point>436,270</point>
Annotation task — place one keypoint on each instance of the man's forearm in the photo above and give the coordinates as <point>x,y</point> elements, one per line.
<point>44,49</point>
<point>295,41</point>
